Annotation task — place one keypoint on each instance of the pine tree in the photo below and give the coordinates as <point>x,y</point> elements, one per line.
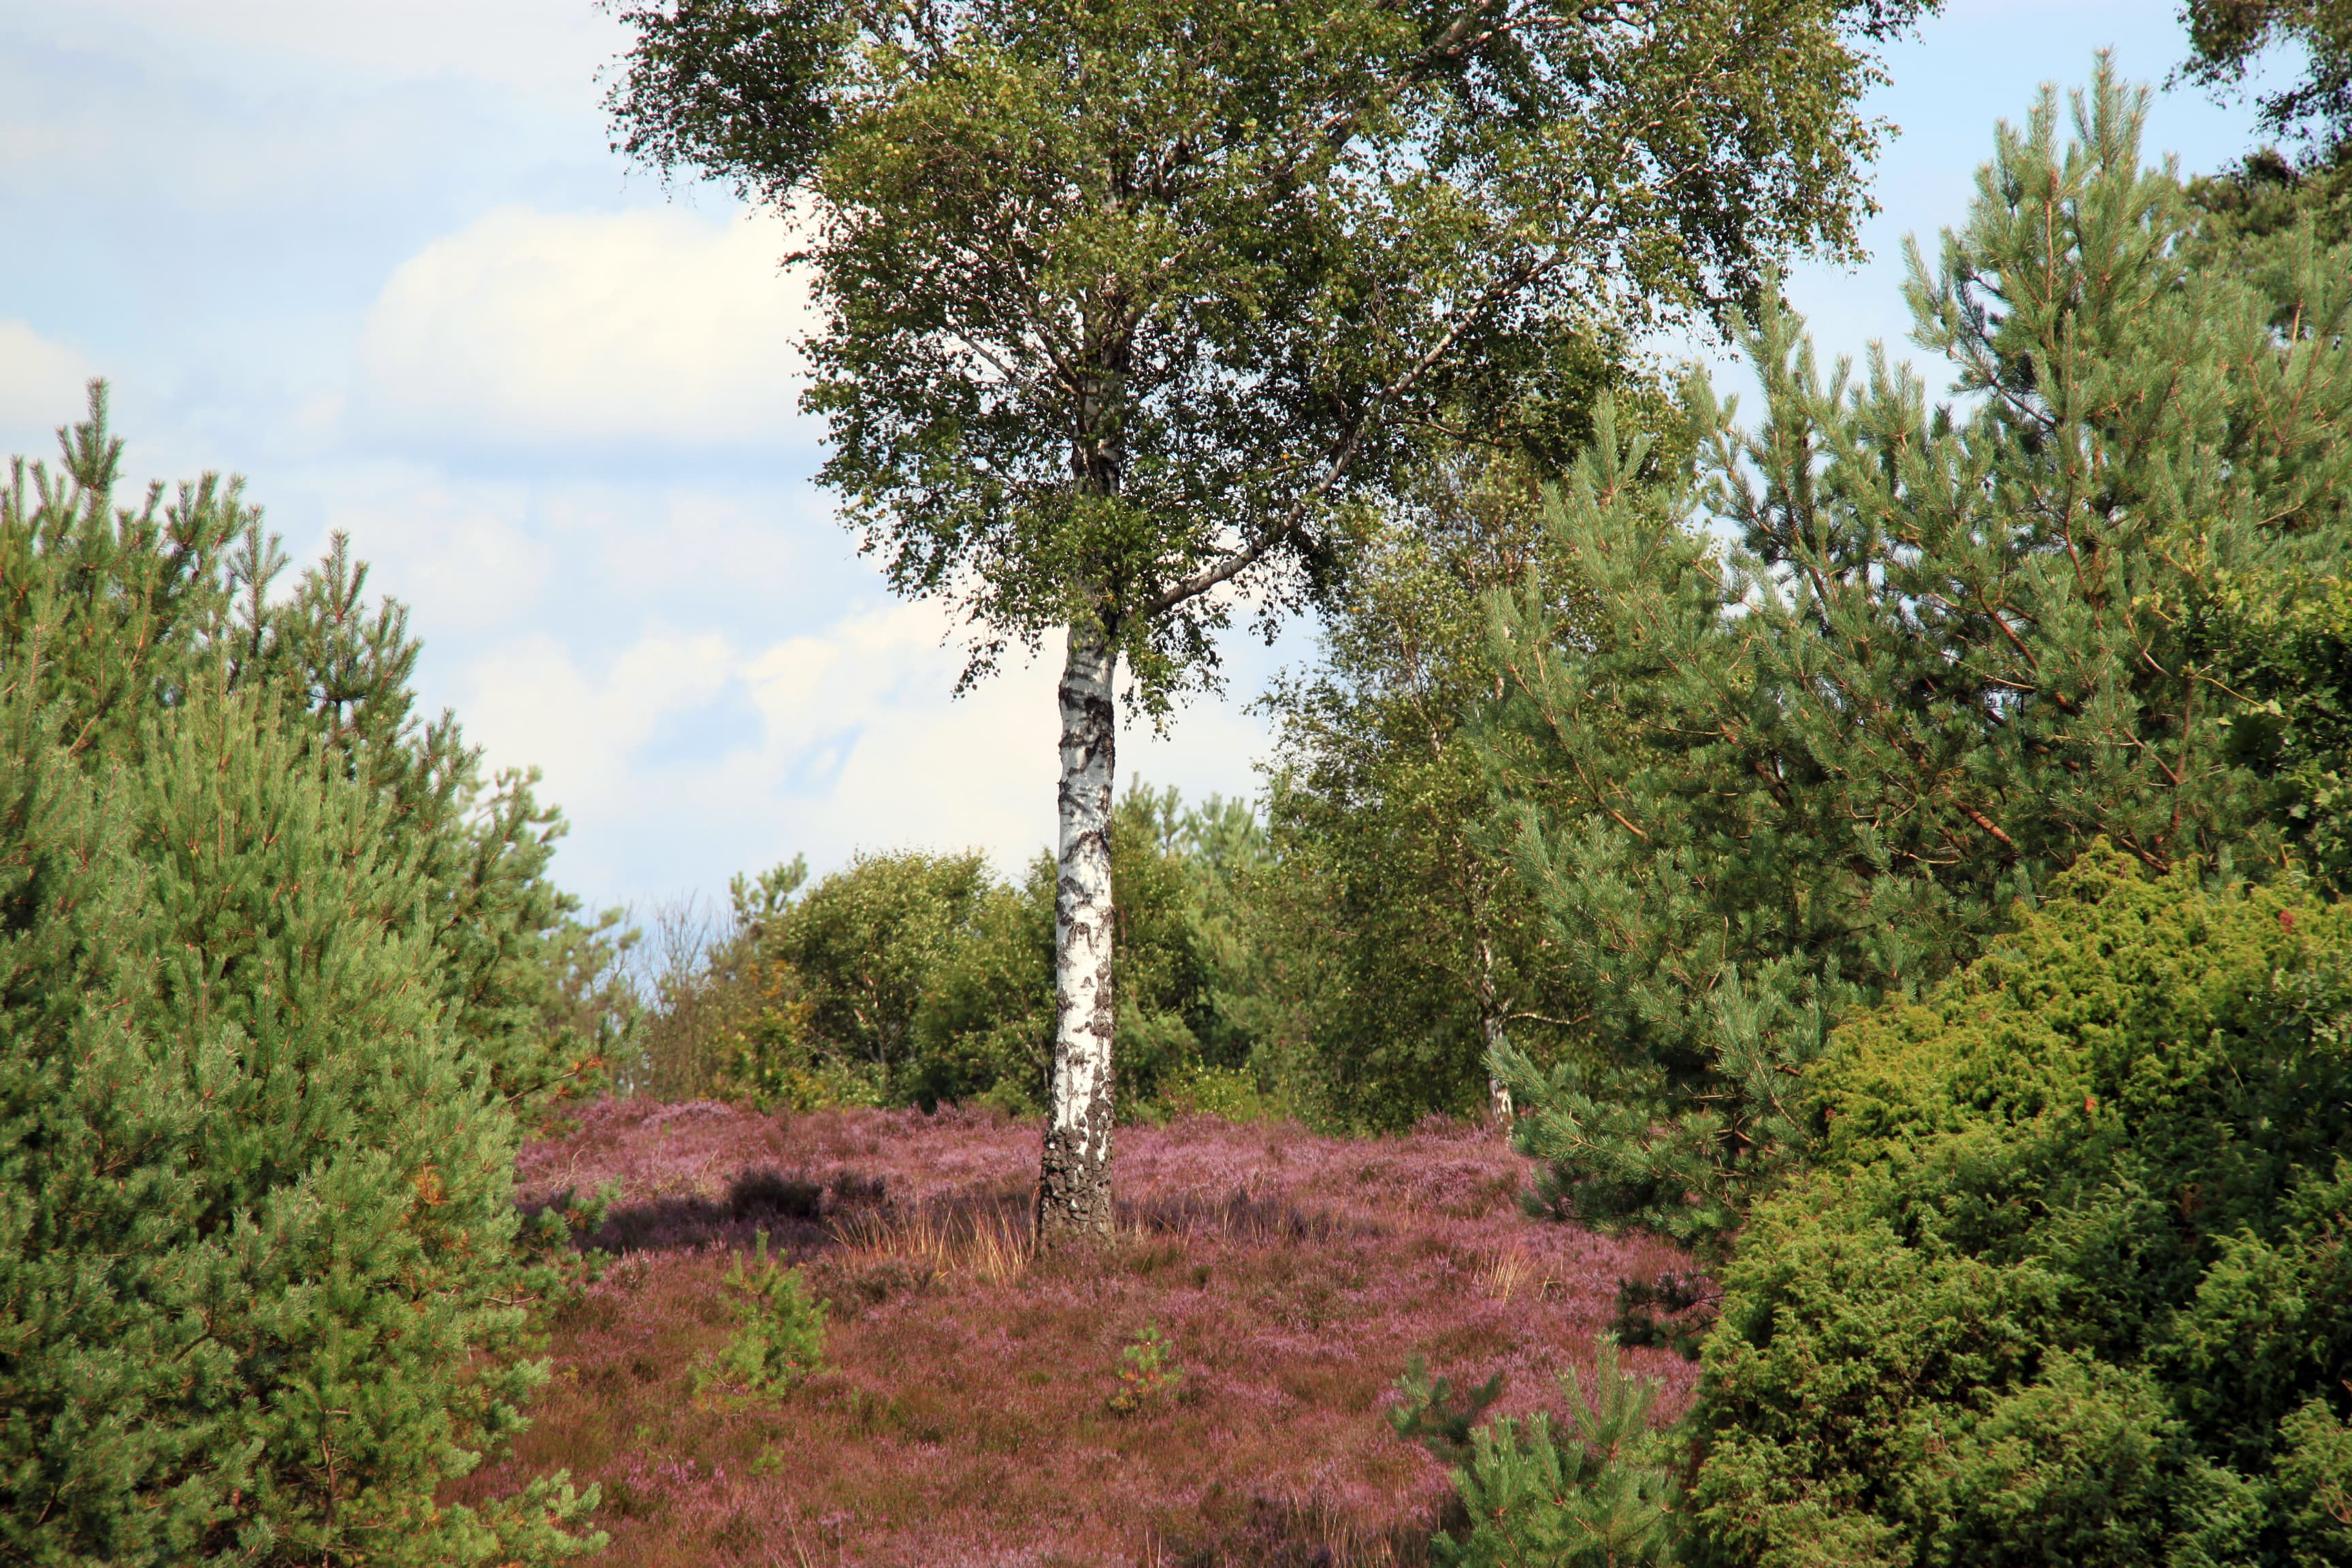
<point>260,1292</point>
<point>1595,1490</point>
<point>1950,648</point>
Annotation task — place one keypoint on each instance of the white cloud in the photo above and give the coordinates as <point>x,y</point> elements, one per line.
<point>532,705</point>
<point>531,328</point>
<point>42,386</point>
<point>865,712</point>
<point>843,740</point>
<point>461,553</point>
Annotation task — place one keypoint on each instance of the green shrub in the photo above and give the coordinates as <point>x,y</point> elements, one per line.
<point>987,1016</point>
<point>914,978</point>
<point>2284,640</point>
<point>779,1337</point>
<point>2070,1283</point>
<point>1233,1094</point>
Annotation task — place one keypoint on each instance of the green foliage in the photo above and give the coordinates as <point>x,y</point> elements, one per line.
<point>1672,1311</point>
<point>864,943</point>
<point>988,1004</point>
<point>1434,1414</point>
<point>132,607</point>
<point>260,1291</point>
<point>899,979</point>
<point>778,1339</point>
<point>1421,946</point>
<point>1148,1377</point>
<point>1217,266</point>
<point>586,998</point>
<point>2069,1284</point>
<point>1190,965</point>
<point>1599,1494</point>
<point>2284,643</point>
<point>2226,37</point>
<point>1231,1094</point>
<point>2314,1473</point>
<point>1823,766</point>
<point>914,978</point>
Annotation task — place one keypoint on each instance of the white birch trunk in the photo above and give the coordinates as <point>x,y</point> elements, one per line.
<point>1074,1183</point>
<point>1498,1093</point>
<point>1490,1026</point>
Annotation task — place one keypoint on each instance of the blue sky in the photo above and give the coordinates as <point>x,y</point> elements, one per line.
<point>376,256</point>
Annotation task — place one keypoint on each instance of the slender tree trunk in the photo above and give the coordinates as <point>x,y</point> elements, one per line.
<point>1490,1027</point>
<point>1074,1186</point>
<point>1498,1093</point>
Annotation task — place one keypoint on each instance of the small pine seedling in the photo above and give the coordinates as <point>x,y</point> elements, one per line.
<point>1436,1416</point>
<point>1148,1375</point>
<point>778,1336</point>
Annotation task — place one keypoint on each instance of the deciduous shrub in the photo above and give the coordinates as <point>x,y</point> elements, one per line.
<point>917,978</point>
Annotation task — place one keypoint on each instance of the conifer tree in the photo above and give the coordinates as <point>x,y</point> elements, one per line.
<point>1950,648</point>
<point>259,1287</point>
<point>1125,303</point>
<point>141,602</point>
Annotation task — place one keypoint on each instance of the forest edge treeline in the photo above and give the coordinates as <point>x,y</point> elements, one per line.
<point>1892,848</point>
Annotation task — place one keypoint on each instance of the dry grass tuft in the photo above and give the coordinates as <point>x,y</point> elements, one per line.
<point>990,1245</point>
<point>1506,1273</point>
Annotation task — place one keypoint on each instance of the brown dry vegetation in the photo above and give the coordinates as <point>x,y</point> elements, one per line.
<point>965,1415</point>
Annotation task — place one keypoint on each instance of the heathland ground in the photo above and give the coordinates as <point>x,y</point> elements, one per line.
<point>969,1411</point>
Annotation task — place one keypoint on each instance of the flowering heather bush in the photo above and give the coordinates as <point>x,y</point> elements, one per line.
<point>965,1415</point>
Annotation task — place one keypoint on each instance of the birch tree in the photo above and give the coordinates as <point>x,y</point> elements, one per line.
<point>1125,302</point>
<point>1381,795</point>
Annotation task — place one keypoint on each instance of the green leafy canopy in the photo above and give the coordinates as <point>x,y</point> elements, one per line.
<point>1127,302</point>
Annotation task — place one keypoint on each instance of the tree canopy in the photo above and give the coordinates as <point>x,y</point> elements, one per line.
<point>2228,38</point>
<point>1126,303</point>
<point>1950,646</point>
<point>1225,263</point>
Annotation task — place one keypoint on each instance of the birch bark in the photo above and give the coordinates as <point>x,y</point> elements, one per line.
<point>1498,1093</point>
<point>1074,1180</point>
<point>1490,1026</point>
